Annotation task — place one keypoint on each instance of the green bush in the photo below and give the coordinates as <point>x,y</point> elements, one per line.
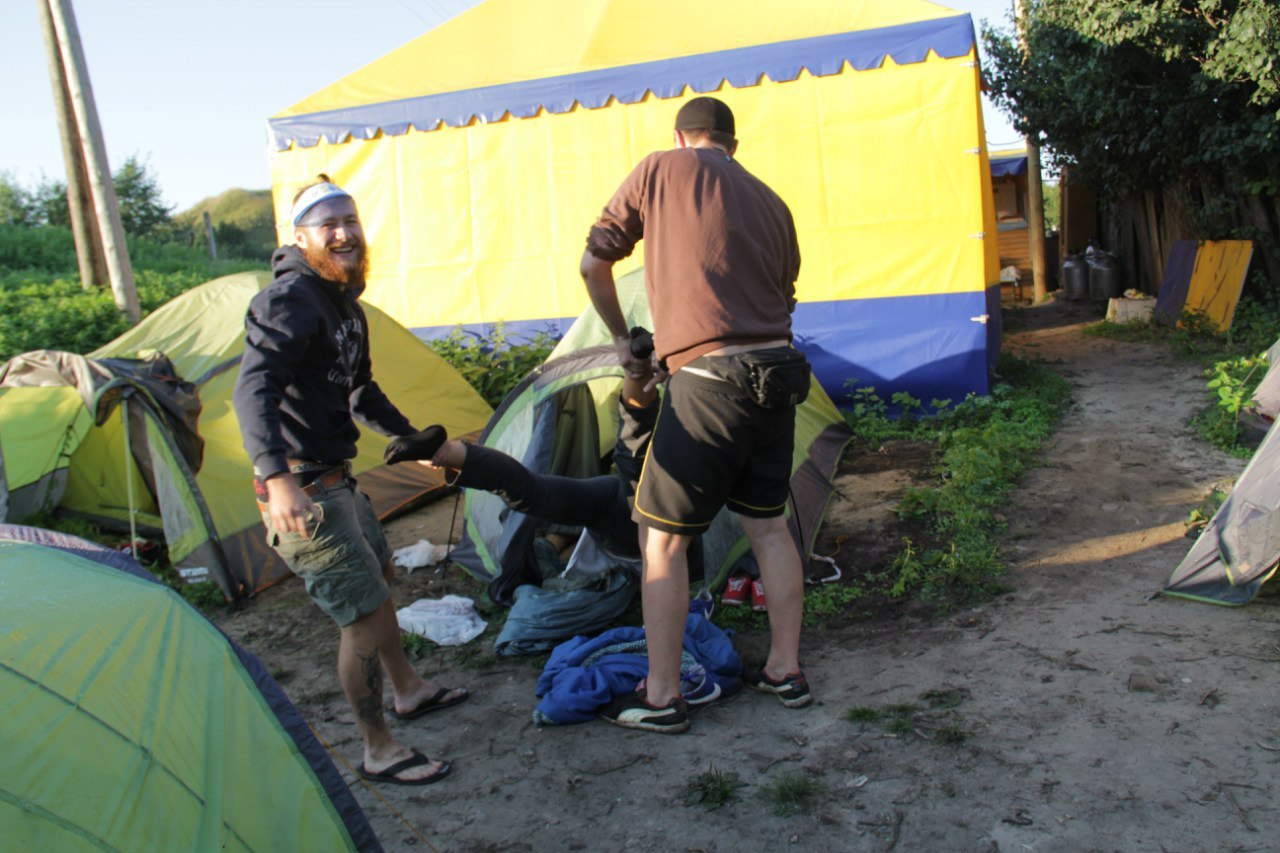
<point>984,444</point>
<point>43,306</point>
<point>496,363</point>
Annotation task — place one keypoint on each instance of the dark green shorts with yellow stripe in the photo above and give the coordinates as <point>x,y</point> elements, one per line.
<point>714,446</point>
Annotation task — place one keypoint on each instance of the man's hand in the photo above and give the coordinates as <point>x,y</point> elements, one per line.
<point>633,366</point>
<point>420,446</point>
<point>289,507</point>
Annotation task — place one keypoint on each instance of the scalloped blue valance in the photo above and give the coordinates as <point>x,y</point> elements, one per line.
<point>781,62</point>
<point>1008,166</point>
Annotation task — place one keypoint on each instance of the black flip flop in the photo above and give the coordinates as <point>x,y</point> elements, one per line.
<point>415,760</point>
<point>435,703</point>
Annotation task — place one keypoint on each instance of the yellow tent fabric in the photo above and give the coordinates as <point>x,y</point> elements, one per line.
<point>586,35</point>
<point>1217,279</point>
<point>865,117</point>
<point>202,332</point>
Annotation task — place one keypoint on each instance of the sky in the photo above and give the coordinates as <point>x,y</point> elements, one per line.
<point>187,86</point>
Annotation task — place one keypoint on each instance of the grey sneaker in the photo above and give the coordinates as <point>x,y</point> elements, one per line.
<point>633,711</point>
<point>792,690</point>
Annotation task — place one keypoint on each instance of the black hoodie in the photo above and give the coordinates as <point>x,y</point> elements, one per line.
<point>305,376</point>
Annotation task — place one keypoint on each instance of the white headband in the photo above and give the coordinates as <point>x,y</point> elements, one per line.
<point>312,196</point>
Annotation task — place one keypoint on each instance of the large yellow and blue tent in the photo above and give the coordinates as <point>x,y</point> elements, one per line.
<point>481,152</point>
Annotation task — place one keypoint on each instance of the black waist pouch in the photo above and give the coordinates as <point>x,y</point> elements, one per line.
<point>776,377</point>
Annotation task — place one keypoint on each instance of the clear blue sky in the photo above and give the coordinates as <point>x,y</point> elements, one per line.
<point>187,86</point>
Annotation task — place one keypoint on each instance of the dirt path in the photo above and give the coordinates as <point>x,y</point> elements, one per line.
<point>1096,718</point>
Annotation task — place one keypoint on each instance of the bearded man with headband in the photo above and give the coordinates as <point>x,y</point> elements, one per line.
<point>305,378</point>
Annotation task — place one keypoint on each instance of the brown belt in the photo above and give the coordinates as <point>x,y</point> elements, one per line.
<point>328,479</point>
<point>308,481</point>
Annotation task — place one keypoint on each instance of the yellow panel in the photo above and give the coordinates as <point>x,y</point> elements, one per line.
<point>883,170</point>
<point>1217,279</point>
<point>100,481</point>
<point>491,43</point>
<point>39,429</point>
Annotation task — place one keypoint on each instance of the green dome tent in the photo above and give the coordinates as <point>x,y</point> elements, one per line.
<point>562,419</point>
<point>63,441</point>
<point>130,722</point>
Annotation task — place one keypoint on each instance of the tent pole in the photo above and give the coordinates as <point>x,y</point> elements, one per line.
<point>128,479</point>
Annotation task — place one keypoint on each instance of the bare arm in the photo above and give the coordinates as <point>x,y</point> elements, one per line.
<point>597,274</point>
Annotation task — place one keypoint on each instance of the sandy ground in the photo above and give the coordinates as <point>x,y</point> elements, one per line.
<point>1097,717</point>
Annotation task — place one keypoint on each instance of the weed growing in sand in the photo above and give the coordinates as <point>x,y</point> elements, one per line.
<point>984,445</point>
<point>415,645</point>
<point>936,722</point>
<point>712,789</point>
<point>828,601</point>
<point>863,714</point>
<point>792,792</point>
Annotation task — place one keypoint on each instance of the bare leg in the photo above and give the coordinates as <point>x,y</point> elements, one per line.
<point>360,675</point>
<point>664,592</point>
<point>410,689</point>
<point>783,577</point>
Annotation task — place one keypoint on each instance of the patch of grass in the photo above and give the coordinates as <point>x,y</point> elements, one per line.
<point>984,445</point>
<point>901,725</point>
<point>938,723</point>
<point>951,734</point>
<point>944,698</point>
<point>206,596</point>
<point>712,789</point>
<point>1201,514</point>
<point>415,645</point>
<point>863,714</point>
<point>828,601</point>
<point>792,792</point>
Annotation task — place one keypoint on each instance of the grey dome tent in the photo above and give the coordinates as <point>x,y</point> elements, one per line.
<point>562,419</point>
<point>1239,549</point>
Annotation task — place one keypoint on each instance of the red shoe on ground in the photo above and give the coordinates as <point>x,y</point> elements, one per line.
<point>736,591</point>
<point>757,596</point>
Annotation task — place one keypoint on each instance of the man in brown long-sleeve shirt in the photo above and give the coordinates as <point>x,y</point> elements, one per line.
<point>721,260</point>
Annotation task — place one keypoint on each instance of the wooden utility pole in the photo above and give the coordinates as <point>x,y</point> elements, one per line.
<point>1035,192</point>
<point>209,235</point>
<point>106,206</point>
<point>93,268</point>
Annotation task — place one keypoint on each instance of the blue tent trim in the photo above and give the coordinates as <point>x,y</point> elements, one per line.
<point>290,720</point>
<point>781,62</point>
<point>950,355</point>
<point>1008,166</point>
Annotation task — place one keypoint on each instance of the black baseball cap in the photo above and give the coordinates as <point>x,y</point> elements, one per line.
<point>705,114</point>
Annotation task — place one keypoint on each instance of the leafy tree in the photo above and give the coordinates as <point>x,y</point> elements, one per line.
<point>15,202</point>
<point>1171,107</point>
<point>142,211</point>
<point>49,204</point>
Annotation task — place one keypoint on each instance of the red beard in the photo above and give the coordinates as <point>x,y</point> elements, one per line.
<point>347,270</point>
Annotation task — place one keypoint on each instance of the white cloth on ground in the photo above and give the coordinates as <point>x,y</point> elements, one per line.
<point>449,621</point>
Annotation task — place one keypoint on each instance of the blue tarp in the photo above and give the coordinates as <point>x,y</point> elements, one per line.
<point>1176,283</point>
<point>1008,166</point>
